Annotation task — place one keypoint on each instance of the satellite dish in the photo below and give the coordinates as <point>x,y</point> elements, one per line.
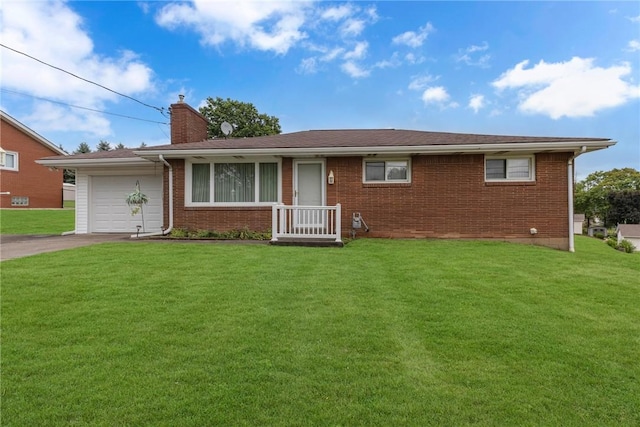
<point>226,128</point>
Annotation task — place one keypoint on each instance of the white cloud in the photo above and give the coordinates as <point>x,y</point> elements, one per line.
<point>354,70</point>
<point>52,32</point>
<point>438,95</point>
<point>469,57</point>
<point>421,82</point>
<point>308,66</point>
<point>414,39</point>
<point>634,18</point>
<point>352,27</point>
<point>392,62</point>
<point>575,88</point>
<point>476,102</point>
<point>633,45</point>
<point>411,58</point>
<point>358,52</point>
<point>267,26</point>
<point>338,13</point>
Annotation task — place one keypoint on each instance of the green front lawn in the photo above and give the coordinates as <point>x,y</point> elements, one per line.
<point>377,333</point>
<point>36,221</point>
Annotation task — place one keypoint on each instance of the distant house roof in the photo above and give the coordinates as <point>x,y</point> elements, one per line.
<point>629,230</point>
<point>578,217</point>
<point>42,140</point>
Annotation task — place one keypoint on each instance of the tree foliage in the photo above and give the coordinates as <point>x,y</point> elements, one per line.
<point>624,207</point>
<point>103,146</point>
<point>592,193</point>
<point>243,116</point>
<point>82,148</point>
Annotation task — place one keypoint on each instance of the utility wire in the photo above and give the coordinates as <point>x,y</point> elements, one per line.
<point>83,108</point>
<point>82,78</point>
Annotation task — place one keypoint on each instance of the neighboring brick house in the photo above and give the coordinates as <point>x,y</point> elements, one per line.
<point>23,182</point>
<point>404,184</point>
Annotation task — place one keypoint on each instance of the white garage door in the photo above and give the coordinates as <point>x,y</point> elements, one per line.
<point>110,212</point>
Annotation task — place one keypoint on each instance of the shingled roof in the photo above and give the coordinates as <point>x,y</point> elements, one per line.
<point>364,138</point>
<point>342,142</point>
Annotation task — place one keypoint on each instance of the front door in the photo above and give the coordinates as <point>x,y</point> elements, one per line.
<point>309,190</point>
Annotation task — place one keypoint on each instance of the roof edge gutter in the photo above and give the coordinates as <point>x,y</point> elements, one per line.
<point>392,150</point>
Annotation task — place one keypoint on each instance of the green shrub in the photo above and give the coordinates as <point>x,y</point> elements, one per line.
<point>598,235</point>
<point>235,234</point>
<point>612,241</point>
<point>179,232</point>
<point>626,246</point>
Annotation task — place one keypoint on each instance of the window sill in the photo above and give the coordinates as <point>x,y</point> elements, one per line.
<point>508,183</point>
<point>228,207</point>
<point>385,184</point>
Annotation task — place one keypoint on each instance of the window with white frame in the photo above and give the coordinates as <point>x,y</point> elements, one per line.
<point>9,160</point>
<point>397,170</point>
<point>232,183</point>
<point>509,168</point>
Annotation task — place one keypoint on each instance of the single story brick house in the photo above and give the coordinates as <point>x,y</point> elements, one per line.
<point>23,182</point>
<point>321,183</point>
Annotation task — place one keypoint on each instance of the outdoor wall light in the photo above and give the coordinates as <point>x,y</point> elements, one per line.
<point>331,178</point>
<point>533,231</point>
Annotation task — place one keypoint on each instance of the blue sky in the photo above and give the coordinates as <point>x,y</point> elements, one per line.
<point>521,68</point>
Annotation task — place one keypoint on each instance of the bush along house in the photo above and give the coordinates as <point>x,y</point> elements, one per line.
<point>330,184</point>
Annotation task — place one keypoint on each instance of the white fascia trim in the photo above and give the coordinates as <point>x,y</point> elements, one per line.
<point>387,150</point>
<point>75,163</point>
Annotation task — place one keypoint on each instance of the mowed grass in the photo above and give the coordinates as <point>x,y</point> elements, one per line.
<point>377,333</point>
<point>36,221</point>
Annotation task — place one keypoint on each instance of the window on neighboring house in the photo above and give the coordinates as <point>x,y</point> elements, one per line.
<point>509,169</point>
<point>386,171</point>
<point>234,183</point>
<point>19,201</point>
<point>9,160</point>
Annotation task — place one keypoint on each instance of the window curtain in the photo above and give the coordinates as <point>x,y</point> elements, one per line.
<point>200,182</point>
<point>518,168</point>
<point>234,182</point>
<point>496,169</point>
<point>268,182</point>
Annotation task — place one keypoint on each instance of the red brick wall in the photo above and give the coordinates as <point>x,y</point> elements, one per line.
<point>187,124</point>
<point>212,218</point>
<point>447,198</point>
<point>41,185</point>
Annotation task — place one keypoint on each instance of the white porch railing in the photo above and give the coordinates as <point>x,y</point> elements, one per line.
<point>306,222</point>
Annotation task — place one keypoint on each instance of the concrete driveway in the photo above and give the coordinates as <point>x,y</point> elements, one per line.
<point>20,245</point>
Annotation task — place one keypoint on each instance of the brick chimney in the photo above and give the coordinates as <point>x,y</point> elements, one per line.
<point>187,124</point>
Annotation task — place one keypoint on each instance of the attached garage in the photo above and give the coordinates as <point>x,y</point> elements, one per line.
<point>103,182</point>
<point>108,211</point>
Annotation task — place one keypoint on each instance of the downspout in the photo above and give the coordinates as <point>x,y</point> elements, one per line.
<point>570,170</point>
<point>168,229</point>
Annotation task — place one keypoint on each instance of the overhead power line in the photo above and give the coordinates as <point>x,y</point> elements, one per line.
<point>82,108</point>
<point>82,78</point>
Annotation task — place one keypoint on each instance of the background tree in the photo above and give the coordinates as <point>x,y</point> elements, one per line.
<point>69,175</point>
<point>624,207</point>
<point>243,116</point>
<point>592,193</point>
<point>82,148</point>
<point>120,146</point>
<point>103,146</point>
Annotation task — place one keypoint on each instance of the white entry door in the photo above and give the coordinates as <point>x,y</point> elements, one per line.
<point>309,190</point>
